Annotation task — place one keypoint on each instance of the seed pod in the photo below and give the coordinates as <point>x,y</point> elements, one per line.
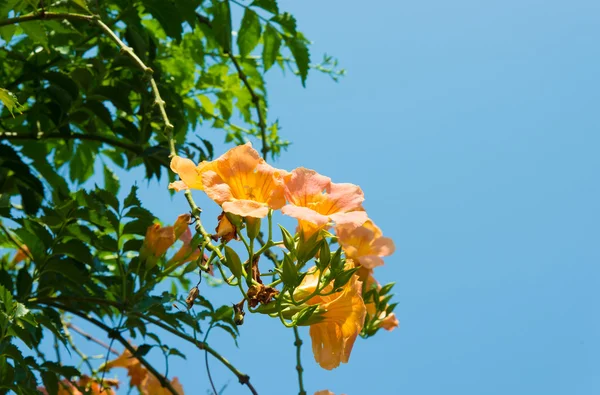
<point>194,292</point>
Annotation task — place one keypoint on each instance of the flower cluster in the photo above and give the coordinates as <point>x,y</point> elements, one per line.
<point>338,297</point>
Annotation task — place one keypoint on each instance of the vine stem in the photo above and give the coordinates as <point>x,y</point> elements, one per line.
<point>243,378</point>
<point>116,335</point>
<point>83,357</point>
<point>91,338</point>
<point>299,368</point>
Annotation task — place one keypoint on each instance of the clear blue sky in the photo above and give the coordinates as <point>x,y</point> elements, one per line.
<point>474,129</point>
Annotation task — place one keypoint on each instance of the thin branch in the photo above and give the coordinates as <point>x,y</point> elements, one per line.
<point>256,101</point>
<point>91,338</point>
<point>46,16</point>
<point>83,357</point>
<point>298,344</point>
<point>243,378</point>
<point>255,98</point>
<point>164,382</point>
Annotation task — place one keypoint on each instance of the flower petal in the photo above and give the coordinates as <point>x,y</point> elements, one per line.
<point>343,198</point>
<point>178,186</point>
<point>302,185</point>
<point>216,188</point>
<point>186,169</point>
<point>305,214</point>
<point>353,218</point>
<point>246,208</point>
<point>383,246</point>
<point>370,261</point>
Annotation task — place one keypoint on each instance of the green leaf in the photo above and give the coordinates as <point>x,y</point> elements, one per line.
<point>132,199</point>
<point>223,313</point>
<point>267,5</point>
<point>24,283</point>
<point>343,278</point>
<point>287,22</point>
<point>81,167</point>
<point>249,33</point>
<point>288,240</point>
<point>233,262</point>
<point>271,45</point>
<point>289,274</point>
<point>324,256</point>
<point>9,100</point>
<point>176,352</point>
<point>7,32</point>
<point>304,315</point>
<point>307,249</point>
<point>100,110</point>
<point>221,23</point>
<point>82,4</point>
<point>36,32</point>
<point>386,288</point>
<point>50,381</point>
<point>64,81</point>
<point>142,350</point>
<point>301,55</point>
<point>111,181</point>
<point>167,14</point>
<point>75,249</point>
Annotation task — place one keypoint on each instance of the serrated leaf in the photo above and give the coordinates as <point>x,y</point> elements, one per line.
<point>50,381</point>
<point>223,313</point>
<point>271,45</point>
<point>301,55</point>
<point>75,249</point>
<point>249,33</point>
<point>221,23</point>
<point>111,181</point>
<point>132,199</point>
<point>267,5</point>
<point>9,100</point>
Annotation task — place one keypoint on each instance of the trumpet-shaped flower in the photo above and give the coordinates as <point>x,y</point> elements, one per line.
<point>342,316</point>
<point>86,383</point>
<point>152,386</point>
<point>315,201</point>
<point>136,372</point>
<point>324,392</point>
<point>159,238</point>
<point>365,244</point>
<point>240,181</point>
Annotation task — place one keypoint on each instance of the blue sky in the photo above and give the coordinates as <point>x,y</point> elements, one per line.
<point>473,127</point>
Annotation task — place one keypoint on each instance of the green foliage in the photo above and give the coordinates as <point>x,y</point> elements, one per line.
<point>90,89</point>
